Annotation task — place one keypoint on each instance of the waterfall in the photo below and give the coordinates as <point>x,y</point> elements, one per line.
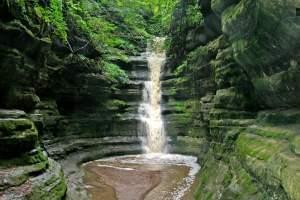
<point>150,108</point>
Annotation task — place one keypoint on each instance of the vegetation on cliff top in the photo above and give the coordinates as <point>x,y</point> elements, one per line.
<point>115,28</point>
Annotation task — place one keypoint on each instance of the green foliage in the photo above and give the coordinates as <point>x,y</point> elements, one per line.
<point>116,29</point>
<point>53,15</point>
<point>19,2</point>
<point>181,69</point>
<point>194,16</point>
<point>114,73</point>
<point>57,19</point>
<point>116,104</point>
<point>162,11</point>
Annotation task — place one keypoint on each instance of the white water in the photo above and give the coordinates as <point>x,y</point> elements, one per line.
<point>153,127</point>
<point>150,108</point>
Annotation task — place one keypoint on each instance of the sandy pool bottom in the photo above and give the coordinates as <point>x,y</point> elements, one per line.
<point>142,177</point>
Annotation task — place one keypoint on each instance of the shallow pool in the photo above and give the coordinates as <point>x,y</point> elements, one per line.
<point>146,176</point>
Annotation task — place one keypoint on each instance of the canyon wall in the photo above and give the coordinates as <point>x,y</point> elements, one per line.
<point>231,87</point>
<point>58,97</point>
<point>230,94</point>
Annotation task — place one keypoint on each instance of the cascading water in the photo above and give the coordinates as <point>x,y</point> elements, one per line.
<point>154,175</point>
<point>150,108</point>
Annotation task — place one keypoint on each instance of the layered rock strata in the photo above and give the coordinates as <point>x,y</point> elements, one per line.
<point>69,108</point>
<point>26,171</point>
<point>235,96</point>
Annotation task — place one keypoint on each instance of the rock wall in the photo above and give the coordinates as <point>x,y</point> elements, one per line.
<point>25,168</point>
<point>231,89</point>
<point>60,103</point>
<point>230,96</point>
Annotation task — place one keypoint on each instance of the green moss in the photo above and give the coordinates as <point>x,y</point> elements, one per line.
<point>116,104</point>
<point>271,132</point>
<point>217,114</point>
<point>295,145</point>
<point>54,16</point>
<point>178,106</point>
<point>234,99</point>
<point>114,73</point>
<point>21,3</point>
<point>246,182</point>
<point>279,117</point>
<point>51,187</point>
<point>211,180</point>
<point>16,137</point>
<point>269,154</point>
<point>194,16</point>
<point>181,69</point>
<point>230,122</point>
<point>58,192</point>
<point>291,178</point>
<point>31,158</point>
<point>239,21</point>
<point>258,147</point>
<point>11,126</point>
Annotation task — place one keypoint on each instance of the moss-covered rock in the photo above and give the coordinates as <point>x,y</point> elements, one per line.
<point>240,20</point>
<point>232,98</point>
<point>17,136</point>
<point>26,172</point>
<point>266,154</point>
<point>221,180</point>
<point>253,50</point>
<point>278,90</point>
<point>251,65</point>
<point>16,172</point>
<point>47,185</point>
<point>218,6</point>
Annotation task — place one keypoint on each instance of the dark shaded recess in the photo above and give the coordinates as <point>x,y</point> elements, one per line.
<point>4,85</point>
<point>5,15</point>
<point>213,26</point>
<point>67,103</point>
<point>60,48</point>
<point>15,37</point>
<point>71,100</point>
<point>123,65</point>
<point>186,39</point>
<point>205,6</point>
<point>11,148</point>
<point>4,92</point>
<point>44,2</point>
<point>211,20</point>
<point>79,43</point>
<point>279,65</point>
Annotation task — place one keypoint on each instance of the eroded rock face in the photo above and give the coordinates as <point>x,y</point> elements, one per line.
<point>65,100</point>
<point>17,136</point>
<point>244,85</point>
<point>26,172</point>
<point>228,62</point>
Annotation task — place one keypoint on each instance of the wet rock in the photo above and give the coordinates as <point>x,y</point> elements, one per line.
<point>26,172</point>
<point>218,6</point>
<point>250,65</point>
<point>12,114</point>
<point>48,185</point>
<point>17,136</point>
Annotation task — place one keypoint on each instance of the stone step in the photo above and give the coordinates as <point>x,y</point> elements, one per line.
<point>12,113</point>
<point>231,123</point>
<point>218,114</point>
<point>16,137</point>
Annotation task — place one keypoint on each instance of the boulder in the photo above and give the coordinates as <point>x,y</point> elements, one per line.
<point>17,136</point>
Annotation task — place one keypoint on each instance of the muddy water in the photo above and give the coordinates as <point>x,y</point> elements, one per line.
<point>142,177</point>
